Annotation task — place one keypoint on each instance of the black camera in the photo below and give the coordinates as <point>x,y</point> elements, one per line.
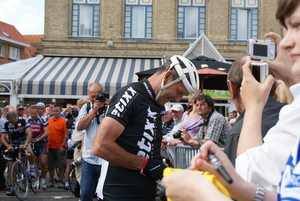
<point>102,96</point>
<point>177,134</point>
<point>75,112</point>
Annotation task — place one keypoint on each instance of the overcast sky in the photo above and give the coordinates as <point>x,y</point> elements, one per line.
<point>26,15</point>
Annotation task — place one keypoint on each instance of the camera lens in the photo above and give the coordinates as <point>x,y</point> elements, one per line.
<point>177,134</point>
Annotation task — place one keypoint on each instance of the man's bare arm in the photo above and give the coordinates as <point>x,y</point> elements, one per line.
<point>29,135</point>
<point>105,146</point>
<point>45,134</point>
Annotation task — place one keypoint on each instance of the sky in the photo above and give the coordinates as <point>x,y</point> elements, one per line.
<point>26,15</point>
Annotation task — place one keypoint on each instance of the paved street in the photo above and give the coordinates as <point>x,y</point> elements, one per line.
<point>43,195</point>
<point>50,194</point>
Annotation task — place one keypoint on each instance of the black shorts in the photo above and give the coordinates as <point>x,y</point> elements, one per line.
<point>39,148</point>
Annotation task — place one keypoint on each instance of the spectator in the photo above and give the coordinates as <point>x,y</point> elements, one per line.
<point>214,128</point>
<point>3,161</point>
<point>48,111</point>
<point>26,112</point>
<point>51,112</point>
<point>57,144</point>
<point>270,111</point>
<point>89,119</point>
<point>71,115</point>
<point>167,122</point>
<point>191,120</point>
<point>77,141</point>
<point>40,134</point>
<point>4,112</point>
<point>177,112</point>
<point>20,111</point>
<point>131,147</point>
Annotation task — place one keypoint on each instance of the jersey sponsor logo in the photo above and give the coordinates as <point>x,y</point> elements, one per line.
<point>145,144</point>
<point>123,102</point>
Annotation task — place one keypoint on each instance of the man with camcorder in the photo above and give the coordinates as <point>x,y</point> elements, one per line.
<point>89,118</point>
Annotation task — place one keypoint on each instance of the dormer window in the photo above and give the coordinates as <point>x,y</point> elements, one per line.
<point>5,34</point>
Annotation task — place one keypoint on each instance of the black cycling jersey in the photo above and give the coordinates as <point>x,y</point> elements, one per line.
<point>16,132</point>
<point>135,108</point>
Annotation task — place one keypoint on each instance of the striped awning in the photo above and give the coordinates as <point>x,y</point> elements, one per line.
<point>68,76</point>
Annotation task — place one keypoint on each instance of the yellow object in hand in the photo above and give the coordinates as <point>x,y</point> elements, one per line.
<point>208,176</point>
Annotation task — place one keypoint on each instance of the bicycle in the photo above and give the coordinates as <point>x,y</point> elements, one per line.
<point>21,177</point>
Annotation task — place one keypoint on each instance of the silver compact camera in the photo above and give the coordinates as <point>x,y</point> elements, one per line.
<point>260,70</point>
<point>261,49</point>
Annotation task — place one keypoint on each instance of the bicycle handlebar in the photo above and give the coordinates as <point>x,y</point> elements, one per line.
<point>15,148</point>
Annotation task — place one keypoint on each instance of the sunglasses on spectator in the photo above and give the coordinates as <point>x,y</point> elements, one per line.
<point>40,108</point>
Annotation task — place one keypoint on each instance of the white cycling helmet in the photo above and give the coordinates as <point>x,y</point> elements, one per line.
<point>187,73</point>
<point>40,104</point>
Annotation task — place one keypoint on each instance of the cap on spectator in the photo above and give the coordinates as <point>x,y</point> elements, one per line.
<point>177,108</point>
<point>40,104</point>
<point>20,106</point>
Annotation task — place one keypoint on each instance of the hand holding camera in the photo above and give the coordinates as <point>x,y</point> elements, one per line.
<point>257,50</point>
<point>101,101</point>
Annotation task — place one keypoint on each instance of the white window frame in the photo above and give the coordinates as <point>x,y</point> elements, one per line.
<point>79,23</point>
<point>187,24</point>
<point>14,53</point>
<point>240,20</point>
<point>138,28</point>
<point>1,50</point>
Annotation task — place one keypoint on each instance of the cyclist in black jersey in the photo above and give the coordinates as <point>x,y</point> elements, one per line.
<point>19,135</point>
<point>130,135</point>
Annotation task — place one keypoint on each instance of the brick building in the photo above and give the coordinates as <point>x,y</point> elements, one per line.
<point>154,28</point>
<point>108,41</point>
<point>12,44</point>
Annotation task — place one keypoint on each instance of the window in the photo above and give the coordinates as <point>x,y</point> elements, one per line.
<point>1,50</point>
<point>86,18</point>
<point>14,53</point>
<point>138,19</point>
<point>244,20</point>
<point>191,19</point>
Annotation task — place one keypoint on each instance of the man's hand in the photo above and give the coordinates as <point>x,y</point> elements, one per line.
<point>22,146</point>
<point>154,169</point>
<point>10,148</point>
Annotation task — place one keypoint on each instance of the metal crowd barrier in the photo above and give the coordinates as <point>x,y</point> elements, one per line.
<point>183,155</point>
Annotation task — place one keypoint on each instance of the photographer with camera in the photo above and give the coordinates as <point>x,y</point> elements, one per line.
<point>89,119</point>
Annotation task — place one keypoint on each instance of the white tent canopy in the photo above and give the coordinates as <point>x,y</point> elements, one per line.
<point>11,73</point>
<point>203,47</point>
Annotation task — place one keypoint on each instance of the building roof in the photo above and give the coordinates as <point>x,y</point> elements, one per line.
<point>10,34</point>
<point>32,39</point>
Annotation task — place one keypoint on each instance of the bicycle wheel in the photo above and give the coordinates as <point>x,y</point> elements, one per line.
<point>34,179</point>
<point>19,179</point>
<point>72,180</point>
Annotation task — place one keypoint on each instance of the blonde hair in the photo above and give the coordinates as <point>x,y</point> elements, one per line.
<point>81,102</point>
<point>281,92</point>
